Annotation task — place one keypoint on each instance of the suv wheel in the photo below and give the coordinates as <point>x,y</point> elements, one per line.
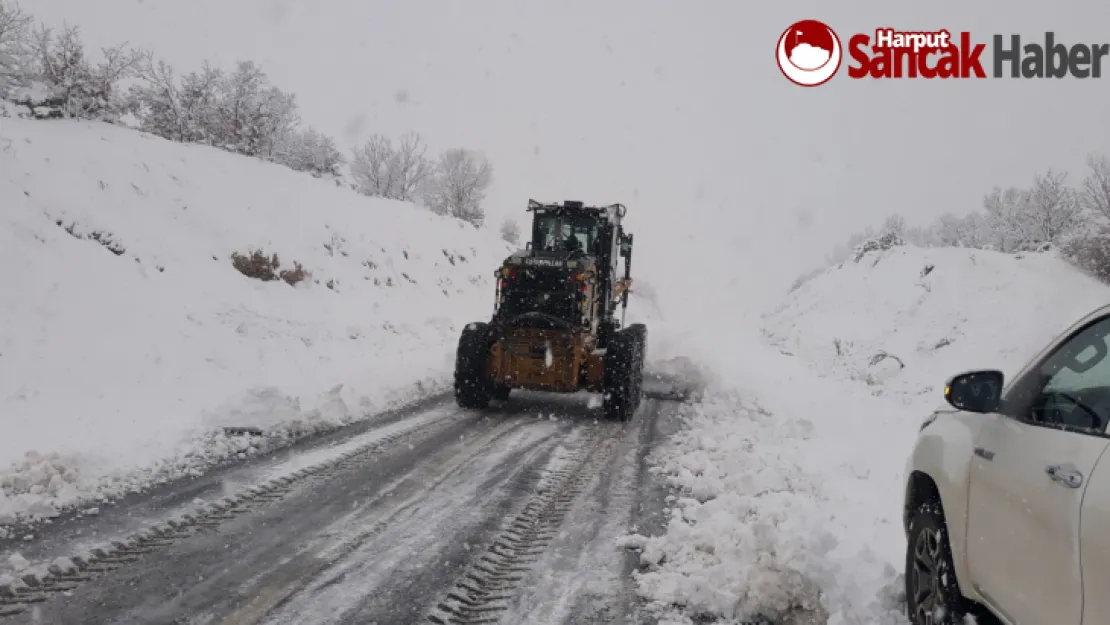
<point>932,594</point>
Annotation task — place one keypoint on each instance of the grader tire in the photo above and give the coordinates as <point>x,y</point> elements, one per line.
<point>639,333</point>
<point>623,378</point>
<point>472,389</point>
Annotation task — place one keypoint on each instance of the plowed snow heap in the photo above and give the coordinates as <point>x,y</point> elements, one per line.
<point>554,326</point>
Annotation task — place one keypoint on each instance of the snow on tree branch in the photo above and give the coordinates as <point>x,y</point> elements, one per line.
<point>1095,194</point>
<point>1047,214</point>
<point>400,173</point>
<point>413,168</point>
<point>459,184</point>
<point>76,87</point>
<point>510,231</point>
<point>15,28</point>
<point>1054,208</point>
<point>49,74</point>
<point>310,150</point>
<point>238,111</point>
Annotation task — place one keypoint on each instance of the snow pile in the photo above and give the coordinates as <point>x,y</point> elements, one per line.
<point>740,543</point>
<point>789,476</point>
<point>776,513</point>
<point>129,340</point>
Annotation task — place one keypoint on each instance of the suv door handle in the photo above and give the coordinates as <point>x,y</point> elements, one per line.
<point>1065,474</point>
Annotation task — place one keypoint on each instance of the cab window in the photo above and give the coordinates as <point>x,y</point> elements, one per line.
<point>561,233</point>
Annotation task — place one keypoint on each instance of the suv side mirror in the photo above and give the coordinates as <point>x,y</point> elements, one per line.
<point>975,391</point>
<point>626,246</point>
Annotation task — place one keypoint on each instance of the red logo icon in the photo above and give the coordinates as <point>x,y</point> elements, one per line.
<point>809,53</point>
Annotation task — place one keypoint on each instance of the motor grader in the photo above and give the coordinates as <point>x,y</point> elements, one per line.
<point>554,327</point>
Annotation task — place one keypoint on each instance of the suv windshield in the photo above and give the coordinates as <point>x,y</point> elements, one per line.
<point>563,233</point>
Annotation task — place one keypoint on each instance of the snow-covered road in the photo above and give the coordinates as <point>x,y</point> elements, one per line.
<point>437,513</point>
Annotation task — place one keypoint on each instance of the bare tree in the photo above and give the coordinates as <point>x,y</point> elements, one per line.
<point>240,112</point>
<point>1095,195</point>
<point>310,150</point>
<point>399,173</point>
<point>947,231</point>
<point>84,91</point>
<point>1054,208</point>
<point>970,230</point>
<point>237,100</point>
<point>14,24</point>
<point>974,231</point>
<point>250,116</point>
<point>921,236</point>
<point>370,167</point>
<point>157,100</point>
<point>412,167</point>
<point>15,28</point>
<point>200,98</point>
<point>459,185</point>
<point>894,224</point>
<point>117,65</point>
<point>510,231</point>
<point>1007,218</point>
<point>1091,251</point>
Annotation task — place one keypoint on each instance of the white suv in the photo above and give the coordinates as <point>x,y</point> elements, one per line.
<point>1007,499</point>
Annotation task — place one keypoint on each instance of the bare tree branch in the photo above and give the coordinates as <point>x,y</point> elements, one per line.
<point>510,231</point>
<point>459,184</point>
<point>1095,194</point>
<point>1054,209</point>
<point>412,168</point>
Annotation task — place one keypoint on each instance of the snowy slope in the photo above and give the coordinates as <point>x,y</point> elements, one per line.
<point>938,311</point>
<point>790,473</point>
<point>118,358</point>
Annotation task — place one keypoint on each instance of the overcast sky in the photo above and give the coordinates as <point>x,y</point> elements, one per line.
<point>675,108</point>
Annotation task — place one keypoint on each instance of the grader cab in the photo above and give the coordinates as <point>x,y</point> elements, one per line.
<point>554,327</point>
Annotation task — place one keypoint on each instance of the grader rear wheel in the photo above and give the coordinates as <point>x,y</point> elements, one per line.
<point>624,368</point>
<point>472,389</point>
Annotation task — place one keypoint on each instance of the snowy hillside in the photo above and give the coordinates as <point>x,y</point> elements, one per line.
<point>128,336</point>
<point>790,473</point>
<point>936,311</point>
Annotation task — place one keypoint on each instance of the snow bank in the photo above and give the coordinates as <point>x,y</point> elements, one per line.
<point>741,535</point>
<point>790,470</point>
<point>777,497</point>
<point>127,339</point>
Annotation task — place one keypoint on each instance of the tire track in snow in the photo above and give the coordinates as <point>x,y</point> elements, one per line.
<point>65,574</point>
<point>484,591</point>
<point>389,536</point>
<point>390,533</point>
<point>582,578</point>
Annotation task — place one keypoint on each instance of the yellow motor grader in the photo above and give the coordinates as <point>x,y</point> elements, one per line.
<point>554,325</point>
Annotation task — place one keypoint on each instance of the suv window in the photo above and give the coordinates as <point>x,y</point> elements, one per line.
<point>1071,388</point>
